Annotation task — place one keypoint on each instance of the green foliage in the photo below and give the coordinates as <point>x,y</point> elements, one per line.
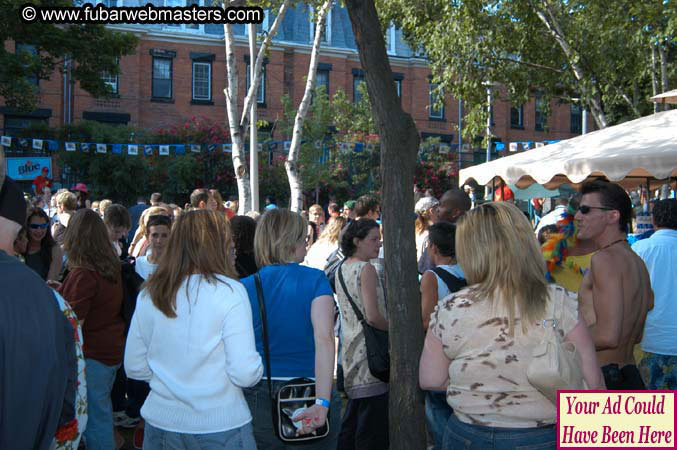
<point>471,42</point>
<point>123,178</point>
<point>94,49</point>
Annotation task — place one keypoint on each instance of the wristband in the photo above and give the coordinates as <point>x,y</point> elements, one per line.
<point>322,402</point>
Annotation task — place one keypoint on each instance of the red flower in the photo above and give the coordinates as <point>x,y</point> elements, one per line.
<point>67,432</point>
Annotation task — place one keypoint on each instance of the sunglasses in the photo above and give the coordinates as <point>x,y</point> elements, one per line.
<point>584,209</point>
<point>38,226</point>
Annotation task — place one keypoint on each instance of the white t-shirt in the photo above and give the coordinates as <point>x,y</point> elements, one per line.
<point>143,267</point>
<point>318,254</point>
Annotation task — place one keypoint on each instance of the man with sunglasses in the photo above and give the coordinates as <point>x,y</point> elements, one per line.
<point>615,294</point>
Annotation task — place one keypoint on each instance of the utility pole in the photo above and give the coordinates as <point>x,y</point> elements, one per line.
<point>460,133</point>
<point>253,132</point>
<point>489,100</point>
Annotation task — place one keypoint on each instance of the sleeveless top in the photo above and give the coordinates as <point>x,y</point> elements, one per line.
<point>35,262</point>
<point>358,381</point>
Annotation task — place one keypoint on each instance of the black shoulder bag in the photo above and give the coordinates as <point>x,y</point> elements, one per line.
<point>295,394</point>
<point>378,356</point>
<point>454,284</point>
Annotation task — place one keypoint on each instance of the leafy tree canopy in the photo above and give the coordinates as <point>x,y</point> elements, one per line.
<point>93,49</point>
<point>592,51</point>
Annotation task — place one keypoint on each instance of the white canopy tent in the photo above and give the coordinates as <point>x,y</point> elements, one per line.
<point>639,152</point>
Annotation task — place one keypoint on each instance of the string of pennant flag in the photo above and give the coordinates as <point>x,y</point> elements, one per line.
<point>54,145</point>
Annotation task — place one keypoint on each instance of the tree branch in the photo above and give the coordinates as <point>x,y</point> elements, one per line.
<point>254,85</point>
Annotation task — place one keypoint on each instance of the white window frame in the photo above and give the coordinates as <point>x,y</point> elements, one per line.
<point>113,81</point>
<point>209,81</point>
<point>391,36</point>
<point>171,77</point>
<point>326,37</point>
<point>262,85</point>
<point>520,111</point>
<point>398,88</point>
<point>432,97</point>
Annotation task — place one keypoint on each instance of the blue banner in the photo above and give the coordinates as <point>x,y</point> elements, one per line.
<point>28,168</point>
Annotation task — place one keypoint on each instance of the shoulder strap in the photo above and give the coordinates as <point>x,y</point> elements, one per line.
<point>453,283</point>
<point>264,324</point>
<point>359,315</point>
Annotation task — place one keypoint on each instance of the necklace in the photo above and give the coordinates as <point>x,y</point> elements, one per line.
<point>614,242</point>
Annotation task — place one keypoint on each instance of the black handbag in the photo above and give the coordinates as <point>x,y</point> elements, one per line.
<point>295,394</point>
<point>378,356</point>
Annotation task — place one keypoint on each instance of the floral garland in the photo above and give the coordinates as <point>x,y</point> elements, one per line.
<point>556,248</point>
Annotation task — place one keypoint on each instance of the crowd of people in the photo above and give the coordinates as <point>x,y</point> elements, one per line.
<point>150,317</point>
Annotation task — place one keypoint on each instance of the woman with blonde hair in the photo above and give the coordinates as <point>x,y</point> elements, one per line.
<point>93,287</point>
<point>103,204</point>
<point>66,204</point>
<point>192,339</point>
<point>299,308</point>
<point>326,244</point>
<point>139,244</point>
<point>481,338</point>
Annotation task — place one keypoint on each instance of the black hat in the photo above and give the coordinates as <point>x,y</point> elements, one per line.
<point>12,203</point>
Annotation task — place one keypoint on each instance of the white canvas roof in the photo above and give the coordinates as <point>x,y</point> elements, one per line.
<point>630,152</point>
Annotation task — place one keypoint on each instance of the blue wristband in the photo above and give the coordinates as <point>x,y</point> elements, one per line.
<point>322,402</point>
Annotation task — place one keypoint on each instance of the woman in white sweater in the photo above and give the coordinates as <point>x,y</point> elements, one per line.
<point>192,339</point>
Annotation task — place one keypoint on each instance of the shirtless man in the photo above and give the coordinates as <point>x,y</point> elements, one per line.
<point>615,294</point>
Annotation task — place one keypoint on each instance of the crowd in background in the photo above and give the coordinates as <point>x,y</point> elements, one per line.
<point>164,314</point>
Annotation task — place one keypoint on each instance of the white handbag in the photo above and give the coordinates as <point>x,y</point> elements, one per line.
<point>555,364</point>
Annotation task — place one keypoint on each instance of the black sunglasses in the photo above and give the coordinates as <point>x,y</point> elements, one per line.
<point>39,226</point>
<point>584,209</point>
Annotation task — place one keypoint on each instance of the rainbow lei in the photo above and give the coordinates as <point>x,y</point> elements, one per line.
<point>556,249</point>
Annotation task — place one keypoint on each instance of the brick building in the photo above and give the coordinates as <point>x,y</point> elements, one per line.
<point>178,72</point>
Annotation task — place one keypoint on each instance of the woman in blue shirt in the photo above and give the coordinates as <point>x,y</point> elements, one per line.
<point>300,316</point>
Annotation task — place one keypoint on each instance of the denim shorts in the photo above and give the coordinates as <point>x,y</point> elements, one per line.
<point>235,439</point>
<point>463,436</point>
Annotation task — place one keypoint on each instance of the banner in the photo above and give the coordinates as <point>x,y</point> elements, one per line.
<point>27,169</point>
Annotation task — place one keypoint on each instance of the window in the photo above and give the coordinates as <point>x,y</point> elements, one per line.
<point>391,40</point>
<point>326,32</point>
<point>358,79</point>
<point>261,93</point>
<point>517,116</point>
<point>162,78</point>
<point>540,118</point>
<point>436,110</point>
<point>28,51</point>
<point>576,119</point>
<point>202,81</point>
<point>111,81</point>
<point>322,79</point>
<point>397,79</point>
<point>14,124</point>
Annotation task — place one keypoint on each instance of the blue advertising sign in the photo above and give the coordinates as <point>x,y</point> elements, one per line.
<point>28,168</point>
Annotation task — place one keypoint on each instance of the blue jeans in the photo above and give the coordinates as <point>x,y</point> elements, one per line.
<point>99,431</point>
<point>259,403</point>
<point>459,435</point>
<point>235,439</point>
<point>437,412</point>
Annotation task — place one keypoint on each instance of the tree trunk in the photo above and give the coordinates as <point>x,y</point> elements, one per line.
<point>238,128</point>
<point>291,165</point>
<point>664,72</point>
<point>654,80</point>
<point>548,18</point>
<point>236,131</point>
<point>399,147</point>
